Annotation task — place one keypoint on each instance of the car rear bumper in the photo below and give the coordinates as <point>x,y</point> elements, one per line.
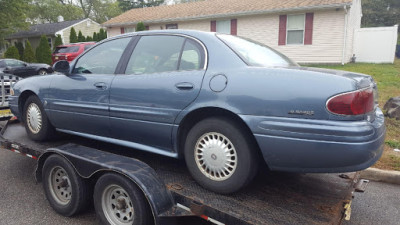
<point>318,146</point>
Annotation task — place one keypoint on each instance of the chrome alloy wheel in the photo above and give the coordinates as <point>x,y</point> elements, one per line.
<point>60,185</point>
<point>42,72</point>
<point>34,118</point>
<point>117,205</point>
<point>215,156</point>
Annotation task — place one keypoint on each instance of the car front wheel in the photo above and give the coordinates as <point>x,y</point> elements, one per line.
<point>42,72</point>
<point>220,155</point>
<point>37,125</point>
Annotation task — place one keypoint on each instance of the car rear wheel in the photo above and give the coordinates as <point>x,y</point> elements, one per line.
<point>220,156</point>
<point>37,125</point>
<point>42,72</point>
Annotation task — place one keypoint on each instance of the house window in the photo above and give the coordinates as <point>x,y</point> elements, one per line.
<point>295,29</point>
<point>171,26</point>
<point>129,29</point>
<point>224,26</point>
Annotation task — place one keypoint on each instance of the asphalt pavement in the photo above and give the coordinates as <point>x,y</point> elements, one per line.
<point>23,201</point>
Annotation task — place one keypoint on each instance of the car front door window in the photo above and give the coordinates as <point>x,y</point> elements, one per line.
<point>102,59</point>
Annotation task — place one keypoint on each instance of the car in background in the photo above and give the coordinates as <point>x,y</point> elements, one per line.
<point>24,69</point>
<point>70,51</point>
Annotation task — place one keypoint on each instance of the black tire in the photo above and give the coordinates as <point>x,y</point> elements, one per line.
<point>127,193</point>
<point>77,188</point>
<point>230,133</point>
<point>46,130</point>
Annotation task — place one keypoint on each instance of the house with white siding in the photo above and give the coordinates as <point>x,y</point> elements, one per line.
<point>308,31</point>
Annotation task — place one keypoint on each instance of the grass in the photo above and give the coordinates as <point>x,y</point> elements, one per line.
<point>387,77</point>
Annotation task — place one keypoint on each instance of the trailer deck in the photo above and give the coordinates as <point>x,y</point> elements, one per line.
<point>273,198</point>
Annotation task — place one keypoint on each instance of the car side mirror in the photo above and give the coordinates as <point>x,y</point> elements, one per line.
<point>62,67</point>
<point>7,69</point>
<point>25,64</point>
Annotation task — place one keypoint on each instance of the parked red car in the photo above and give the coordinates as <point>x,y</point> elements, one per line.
<point>70,51</point>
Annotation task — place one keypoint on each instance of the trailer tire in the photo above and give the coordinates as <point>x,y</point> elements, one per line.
<point>220,156</point>
<point>36,122</point>
<point>67,193</point>
<point>118,201</point>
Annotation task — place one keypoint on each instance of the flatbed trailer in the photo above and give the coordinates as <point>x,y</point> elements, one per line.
<point>272,198</point>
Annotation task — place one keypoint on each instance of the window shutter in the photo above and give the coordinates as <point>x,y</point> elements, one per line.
<point>308,29</point>
<point>122,30</point>
<point>282,30</point>
<point>234,26</point>
<point>213,26</point>
<point>147,27</point>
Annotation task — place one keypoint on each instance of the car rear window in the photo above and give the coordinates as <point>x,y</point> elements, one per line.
<point>67,49</point>
<point>256,54</point>
<point>87,47</point>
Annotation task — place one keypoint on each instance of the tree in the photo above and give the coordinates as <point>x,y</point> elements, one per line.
<point>101,35</point>
<point>140,26</point>
<point>58,41</point>
<point>43,51</point>
<point>12,53</point>
<point>20,48</point>
<point>72,36</point>
<point>12,17</point>
<point>95,37</point>
<point>50,10</point>
<point>29,55</point>
<point>88,38</point>
<point>126,5</point>
<point>380,13</point>
<point>81,38</point>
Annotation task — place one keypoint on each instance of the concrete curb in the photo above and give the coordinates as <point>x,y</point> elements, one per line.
<point>386,176</point>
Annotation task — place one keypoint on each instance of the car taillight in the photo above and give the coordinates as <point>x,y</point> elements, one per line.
<point>352,103</point>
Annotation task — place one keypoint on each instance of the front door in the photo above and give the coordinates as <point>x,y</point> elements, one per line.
<point>80,101</point>
<point>162,77</point>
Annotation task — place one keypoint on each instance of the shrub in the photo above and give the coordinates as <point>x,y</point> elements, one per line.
<point>43,51</point>
<point>81,38</point>
<point>101,35</point>
<point>95,37</point>
<point>88,38</point>
<point>140,26</point>
<point>12,53</point>
<point>58,41</point>
<point>72,36</point>
<point>20,48</point>
<point>29,55</point>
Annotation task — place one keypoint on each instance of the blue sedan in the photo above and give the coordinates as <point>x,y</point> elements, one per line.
<point>221,102</point>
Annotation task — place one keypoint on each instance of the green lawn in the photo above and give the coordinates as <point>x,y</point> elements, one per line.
<point>387,77</point>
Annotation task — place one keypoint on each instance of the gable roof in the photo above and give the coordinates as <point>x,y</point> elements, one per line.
<point>217,9</point>
<point>44,29</point>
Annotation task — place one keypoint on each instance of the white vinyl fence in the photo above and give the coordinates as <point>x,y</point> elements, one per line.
<point>376,44</point>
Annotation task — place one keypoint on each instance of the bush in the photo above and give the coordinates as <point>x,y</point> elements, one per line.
<point>81,38</point>
<point>29,55</point>
<point>20,48</point>
<point>12,53</point>
<point>43,51</point>
<point>72,36</point>
<point>88,38</point>
<point>95,37</point>
<point>101,35</point>
<point>58,41</point>
<point>140,26</point>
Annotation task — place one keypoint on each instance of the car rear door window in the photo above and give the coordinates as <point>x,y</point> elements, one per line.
<point>66,49</point>
<point>156,54</point>
<point>102,59</point>
<point>192,57</point>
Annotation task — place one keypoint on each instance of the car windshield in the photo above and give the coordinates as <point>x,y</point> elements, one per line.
<point>256,54</point>
<point>66,49</point>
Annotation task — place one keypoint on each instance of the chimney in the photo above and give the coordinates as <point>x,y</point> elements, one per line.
<point>60,18</point>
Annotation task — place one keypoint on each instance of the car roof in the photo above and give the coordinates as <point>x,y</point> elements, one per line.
<point>193,33</point>
<point>77,44</point>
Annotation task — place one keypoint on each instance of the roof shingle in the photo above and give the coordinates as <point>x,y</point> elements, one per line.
<point>215,8</point>
<point>44,29</point>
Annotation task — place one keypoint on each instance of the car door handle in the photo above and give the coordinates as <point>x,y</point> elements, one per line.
<point>184,86</point>
<point>100,85</point>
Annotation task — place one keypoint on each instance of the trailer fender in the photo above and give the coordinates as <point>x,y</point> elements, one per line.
<point>90,163</point>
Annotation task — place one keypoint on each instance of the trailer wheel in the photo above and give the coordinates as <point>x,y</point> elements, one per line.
<point>220,156</point>
<point>37,124</point>
<point>118,201</point>
<point>65,190</point>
